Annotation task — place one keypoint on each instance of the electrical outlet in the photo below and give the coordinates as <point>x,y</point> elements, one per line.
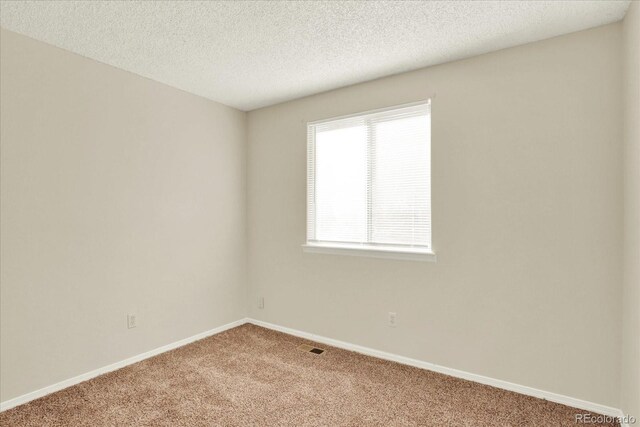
<point>131,321</point>
<point>260,302</point>
<point>392,319</point>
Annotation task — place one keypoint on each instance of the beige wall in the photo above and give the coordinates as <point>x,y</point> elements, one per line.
<point>527,211</point>
<point>119,194</point>
<point>631,292</point>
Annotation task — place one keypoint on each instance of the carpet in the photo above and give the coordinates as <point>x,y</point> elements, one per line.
<point>252,376</point>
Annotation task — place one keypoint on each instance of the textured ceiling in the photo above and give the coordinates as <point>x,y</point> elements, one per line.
<point>252,54</point>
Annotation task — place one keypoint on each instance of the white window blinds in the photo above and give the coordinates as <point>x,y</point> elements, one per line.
<point>369,179</point>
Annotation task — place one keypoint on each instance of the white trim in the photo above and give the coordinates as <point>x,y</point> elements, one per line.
<point>505,385</point>
<point>370,251</point>
<point>529,391</point>
<point>11,403</point>
<point>425,101</point>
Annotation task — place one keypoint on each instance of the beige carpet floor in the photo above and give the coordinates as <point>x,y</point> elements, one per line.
<point>251,376</point>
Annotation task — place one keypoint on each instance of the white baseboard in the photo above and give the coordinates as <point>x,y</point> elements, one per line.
<point>529,391</point>
<point>8,404</point>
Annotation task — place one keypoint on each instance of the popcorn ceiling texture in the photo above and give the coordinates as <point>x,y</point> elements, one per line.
<point>253,54</point>
<point>251,376</point>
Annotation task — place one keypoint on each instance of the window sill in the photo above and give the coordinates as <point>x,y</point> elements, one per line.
<point>371,252</point>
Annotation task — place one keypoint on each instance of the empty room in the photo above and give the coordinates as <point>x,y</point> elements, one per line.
<point>320,213</point>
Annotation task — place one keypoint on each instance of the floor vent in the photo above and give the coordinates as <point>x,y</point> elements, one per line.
<point>310,349</point>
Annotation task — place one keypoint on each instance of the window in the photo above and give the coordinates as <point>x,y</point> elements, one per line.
<point>369,183</point>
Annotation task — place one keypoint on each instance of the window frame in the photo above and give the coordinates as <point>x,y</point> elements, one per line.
<point>373,250</point>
